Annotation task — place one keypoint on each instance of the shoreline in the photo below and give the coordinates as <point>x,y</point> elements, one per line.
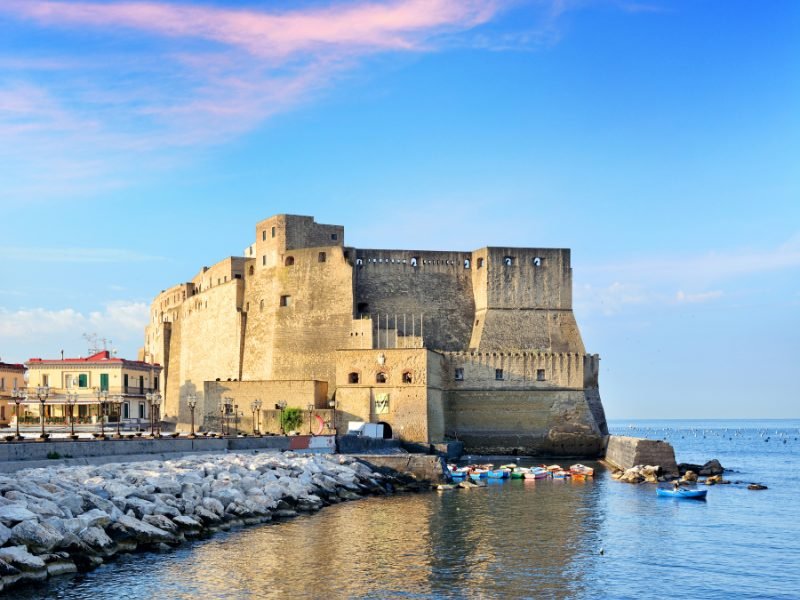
<point>66,519</point>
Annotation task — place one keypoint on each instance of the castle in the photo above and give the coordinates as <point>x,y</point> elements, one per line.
<point>479,346</point>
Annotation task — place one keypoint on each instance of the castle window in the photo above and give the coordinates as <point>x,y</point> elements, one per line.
<point>466,263</point>
<point>363,307</point>
<point>498,374</point>
<point>264,261</point>
<point>247,307</point>
<point>359,262</point>
<point>261,305</point>
<point>289,262</point>
<point>353,377</point>
<point>322,257</point>
<point>537,261</point>
<point>414,261</point>
<point>508,261</point>
<point>539,374</point>
<point>380,377</point>
<point>334,236</point>
<point>286,300</point>
<point>273,232</point>
<point>477,322</point>
<point>408,377</point>
<point>459,374</point>
<point>264,235</point>
<point>480,263</point>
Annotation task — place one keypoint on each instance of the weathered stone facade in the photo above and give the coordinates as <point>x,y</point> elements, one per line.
<point>480,346</point>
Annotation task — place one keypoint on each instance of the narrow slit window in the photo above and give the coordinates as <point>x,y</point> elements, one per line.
<point>408,377</point>
<point>322,257</point>
<point>498,374</point>
<point>480,263</point>
<point>459,374</point>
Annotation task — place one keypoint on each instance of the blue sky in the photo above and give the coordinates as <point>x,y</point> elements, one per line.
<point>658,140</point>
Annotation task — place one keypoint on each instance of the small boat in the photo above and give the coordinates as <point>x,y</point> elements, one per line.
<point>510,466</point>
<point>518,473</point>
<point>581,471</point>
<point>682,493</point>
<point>553,468</point>
<point>499,473</point>
<point>561,474</point>
<point>478,473</point>
<point>457,473</point>
<point>537,473</point>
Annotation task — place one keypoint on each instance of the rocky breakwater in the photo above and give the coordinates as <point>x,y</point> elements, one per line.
<point>65,519</point>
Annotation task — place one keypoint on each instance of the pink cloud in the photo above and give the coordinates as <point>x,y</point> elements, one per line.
<point>396,25</point>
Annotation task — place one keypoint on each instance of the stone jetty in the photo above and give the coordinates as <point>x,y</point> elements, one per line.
<point>65,519</point>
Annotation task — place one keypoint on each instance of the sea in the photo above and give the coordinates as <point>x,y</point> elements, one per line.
<point>513,539</point>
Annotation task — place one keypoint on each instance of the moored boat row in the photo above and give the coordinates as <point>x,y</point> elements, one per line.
<point>513,471</point>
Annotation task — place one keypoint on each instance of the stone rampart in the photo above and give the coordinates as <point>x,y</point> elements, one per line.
<point>425,467</point>
<point>624,452</point>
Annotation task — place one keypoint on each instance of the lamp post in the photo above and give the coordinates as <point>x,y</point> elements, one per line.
<point>332,404</point>
<point>157,415</point>
<point>151,399</point>
<point>227,408</point>
<point>19,396</point>
<point>310,410</point>
<point>281,406</point>
<point>221,408</point>
<point>102,398</point>
<point>255,407</point>
<point>42,392</point>
<point>72,399</point>
<point>117,400</point>
<point>191,401</point>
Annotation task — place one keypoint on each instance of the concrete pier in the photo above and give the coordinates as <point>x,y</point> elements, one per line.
<point>624,452</point>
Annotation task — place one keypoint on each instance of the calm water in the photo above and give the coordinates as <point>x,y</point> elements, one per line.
<point>515,539</point>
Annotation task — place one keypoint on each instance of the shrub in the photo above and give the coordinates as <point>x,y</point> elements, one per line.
<point>53,455</point>
<point>291,419</point>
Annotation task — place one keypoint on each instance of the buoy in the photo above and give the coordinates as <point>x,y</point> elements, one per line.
<point>602,551</point>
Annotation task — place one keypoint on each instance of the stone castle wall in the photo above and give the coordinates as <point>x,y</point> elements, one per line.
<point>302,306</point>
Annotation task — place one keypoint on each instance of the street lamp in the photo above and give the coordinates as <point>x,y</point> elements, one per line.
<point>102,398</point>
<point>191,401</point>
<point>19,396</point>
<point>157,416</point>
<point>117,400</point>
<point>227,409</point>
<point>221,408</point>
<point>310,410</point>
<point>154,399</point>
<point>72,399</point>
<point>332,404</point>
<point>42,392</point>
<point>281,406</point>
<point>255,407</point>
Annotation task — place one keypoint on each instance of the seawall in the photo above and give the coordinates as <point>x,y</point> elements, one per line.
<point>624,452</point>
<point>424,467</point>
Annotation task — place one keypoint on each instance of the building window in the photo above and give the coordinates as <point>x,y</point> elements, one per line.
<point>322,257</point>
<point>286,300</point>
<point>363,307</point>
<point>251,270</point>
<point>264,235</point>
<point>508,261</point>
<point>466,263</point>
<point>408,377</point>
<point>261,305</point>
<point>264,261</point>
<point>273,232</point>
<point>334,236</point>
<point>537,261</point>
<point>353,377</point>
<point>380,377</point>
<point>2,383</point>
<point>498,374</point>
<point>289,262</point>
<point>539,374</point>
<point>104,381</point>
<point>480,263</point>
<point>414,261</point>
<point>459,374</point>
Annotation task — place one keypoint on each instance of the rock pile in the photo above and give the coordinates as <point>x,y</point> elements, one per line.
<point>638,474</point>
<point>64,519</point>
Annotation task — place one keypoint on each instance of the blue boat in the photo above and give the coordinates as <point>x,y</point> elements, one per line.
<point>691,494</point>
<point>499,474</point>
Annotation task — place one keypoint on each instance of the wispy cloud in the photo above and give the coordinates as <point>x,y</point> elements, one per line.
<point>183,74</point>
<point>676,280</point>
<point>74,255</point>
<point>42,332</point>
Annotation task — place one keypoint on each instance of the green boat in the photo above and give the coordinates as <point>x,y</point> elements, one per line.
<point>518,473</point>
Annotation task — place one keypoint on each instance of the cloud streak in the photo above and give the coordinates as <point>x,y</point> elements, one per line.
<point>182,74</point>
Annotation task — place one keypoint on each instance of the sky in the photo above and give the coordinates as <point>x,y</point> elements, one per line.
<point>659,140</point>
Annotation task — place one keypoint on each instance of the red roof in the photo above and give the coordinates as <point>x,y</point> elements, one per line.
<point>104,357</point>
<point>11,367</point>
